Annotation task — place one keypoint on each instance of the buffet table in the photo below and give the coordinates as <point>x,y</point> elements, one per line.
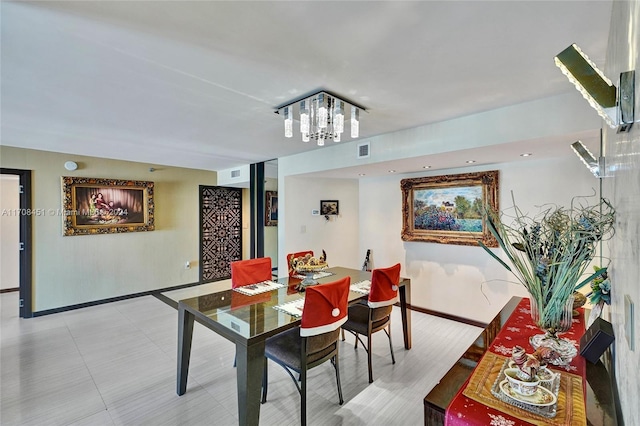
<point>475,402</point>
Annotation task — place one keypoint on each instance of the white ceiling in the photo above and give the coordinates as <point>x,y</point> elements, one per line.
<point>195,84</point>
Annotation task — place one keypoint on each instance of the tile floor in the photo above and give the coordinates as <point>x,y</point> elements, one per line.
<point>115,364</point>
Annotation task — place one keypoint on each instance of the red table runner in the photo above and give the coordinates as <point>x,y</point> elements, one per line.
<point>516,331</point>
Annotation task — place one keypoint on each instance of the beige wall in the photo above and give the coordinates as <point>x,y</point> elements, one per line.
<point>623,188</point>
<point>78,269</point>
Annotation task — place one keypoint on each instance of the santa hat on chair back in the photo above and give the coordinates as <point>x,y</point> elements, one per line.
<point>251,271</point>
<point>384,286</point>
<point>325,307</point>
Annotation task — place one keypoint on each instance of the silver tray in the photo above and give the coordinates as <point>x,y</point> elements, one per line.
<point>548,411</point>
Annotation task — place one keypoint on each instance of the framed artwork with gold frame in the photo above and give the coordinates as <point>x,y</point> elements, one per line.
<point>449,209</point>
<point>271,208</point>
<point>106,206</point>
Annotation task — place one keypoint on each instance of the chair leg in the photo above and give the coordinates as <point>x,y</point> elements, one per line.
<point>342,331</point>
<point>369,358</point>
<point>336,365</point>
<point>265,382</point>
<point>393,358</point>
<point>303,397</point>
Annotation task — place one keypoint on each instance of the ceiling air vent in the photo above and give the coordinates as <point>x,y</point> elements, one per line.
<point>363,150</point>
<point>235,173</point>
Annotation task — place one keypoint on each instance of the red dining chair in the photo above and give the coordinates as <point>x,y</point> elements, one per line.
<point>292,256</point>
<point>245,272</point>
<point>314,342</point>
<point>375,315</point>
<point>250,271</point>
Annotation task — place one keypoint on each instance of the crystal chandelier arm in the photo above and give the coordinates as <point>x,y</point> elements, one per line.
<point>355,122</point>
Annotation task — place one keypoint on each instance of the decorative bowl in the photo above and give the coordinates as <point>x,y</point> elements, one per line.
<point>523,387</point>
<point>308,271</point>
<point>579,300</point>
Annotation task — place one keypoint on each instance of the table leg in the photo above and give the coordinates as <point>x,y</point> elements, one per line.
<point>406,315</point>
<point>250,364</point>
<point>185,336</point>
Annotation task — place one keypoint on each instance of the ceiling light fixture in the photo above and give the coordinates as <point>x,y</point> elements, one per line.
<point>321,116</point>
<point>526,154</point>
<point>426,167</point>
<point>615,106</point>
<point>471,161</point>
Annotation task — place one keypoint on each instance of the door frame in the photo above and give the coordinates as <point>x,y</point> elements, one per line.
<point>256,194</point>
<point>26,252</point>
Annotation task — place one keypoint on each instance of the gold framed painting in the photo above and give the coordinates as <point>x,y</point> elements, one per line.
<point>449,209</point>
<point>106,206</point>
<point>271,208</point>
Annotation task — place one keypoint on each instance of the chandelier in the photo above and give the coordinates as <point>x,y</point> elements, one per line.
<point>321,117</point>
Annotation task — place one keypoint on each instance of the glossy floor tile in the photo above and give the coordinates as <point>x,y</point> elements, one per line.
<point>115,364</point>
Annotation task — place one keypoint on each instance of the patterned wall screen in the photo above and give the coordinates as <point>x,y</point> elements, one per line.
<point>220,231</point>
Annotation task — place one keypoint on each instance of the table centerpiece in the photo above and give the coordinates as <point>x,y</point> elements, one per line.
<point>548,254</point>
<point>308,266</point>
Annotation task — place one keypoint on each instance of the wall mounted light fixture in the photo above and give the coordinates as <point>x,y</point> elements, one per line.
<point>614,105</point>
<point>595,165</point>
<point>71,165</point>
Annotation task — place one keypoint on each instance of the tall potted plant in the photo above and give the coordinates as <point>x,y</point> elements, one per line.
<point>548,254</point>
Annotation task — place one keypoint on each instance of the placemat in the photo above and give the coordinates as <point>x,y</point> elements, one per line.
<point>570,410</point>
<point>257,288</point>
<point>316,275</point>
<point>293,308</point>
<point>361,287</point>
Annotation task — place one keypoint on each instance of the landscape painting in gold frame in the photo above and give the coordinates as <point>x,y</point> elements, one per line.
<point>448,209</point>
<point>106,206</point>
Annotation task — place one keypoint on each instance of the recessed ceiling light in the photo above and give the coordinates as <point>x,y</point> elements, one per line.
<point>471,161</point>
<point>426,167</point>
<point>361,174</point>
<point>392,171</point>
<point>526,154</point>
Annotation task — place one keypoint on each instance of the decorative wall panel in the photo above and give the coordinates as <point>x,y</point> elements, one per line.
<point>220,231</point>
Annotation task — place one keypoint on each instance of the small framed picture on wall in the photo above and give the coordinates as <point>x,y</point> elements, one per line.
<point>329,207</point>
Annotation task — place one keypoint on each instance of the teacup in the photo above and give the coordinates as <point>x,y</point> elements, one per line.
<point>523,387</point>
<point>545,375</point>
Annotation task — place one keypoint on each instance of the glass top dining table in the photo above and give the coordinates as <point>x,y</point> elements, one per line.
<point>249,320</point>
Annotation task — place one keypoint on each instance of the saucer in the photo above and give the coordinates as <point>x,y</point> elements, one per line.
<point>541,398</point>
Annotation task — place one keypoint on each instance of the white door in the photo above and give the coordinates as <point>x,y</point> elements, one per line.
<point>9,232</point>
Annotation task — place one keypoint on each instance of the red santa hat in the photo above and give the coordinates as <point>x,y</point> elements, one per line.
<point>292,256</point>
<point>325,307</point>
<point>384,286</point>
<point>251,271</point>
